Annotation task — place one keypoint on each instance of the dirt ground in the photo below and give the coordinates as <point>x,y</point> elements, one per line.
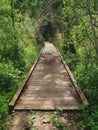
<point>45,120</point>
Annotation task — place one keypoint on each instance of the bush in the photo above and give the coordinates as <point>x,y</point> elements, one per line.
<point>30,56</point>
<point>88,80</point>
<point>89,117</point>
<point>31,53</point>
<point>8,75</point>
<point>3,111</point>
<point>71,60</point>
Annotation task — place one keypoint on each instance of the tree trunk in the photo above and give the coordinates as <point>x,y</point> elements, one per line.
<point>12,14</point>
<point>92,27</point>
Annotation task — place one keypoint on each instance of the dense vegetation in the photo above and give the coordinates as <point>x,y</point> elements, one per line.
<point>72,25</point>
<point>17,52</point>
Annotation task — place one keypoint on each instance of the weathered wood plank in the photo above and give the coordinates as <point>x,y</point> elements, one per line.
<point>45,99</point>
<point>48,81</point>
<point>45,94</point>
<point>48,88</point>
<point>47,106</point>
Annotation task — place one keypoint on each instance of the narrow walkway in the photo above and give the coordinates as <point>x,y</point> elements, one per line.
<point>49,86</point>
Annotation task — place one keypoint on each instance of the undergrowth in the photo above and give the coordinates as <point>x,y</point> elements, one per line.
<point>10,80</point>
<point>85,71</point>
<point>87,79</point>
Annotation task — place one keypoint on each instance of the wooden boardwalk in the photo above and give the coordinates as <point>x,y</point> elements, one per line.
<point>50,85</point>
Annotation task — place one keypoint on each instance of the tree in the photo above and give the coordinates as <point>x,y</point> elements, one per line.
<point>78,15</point>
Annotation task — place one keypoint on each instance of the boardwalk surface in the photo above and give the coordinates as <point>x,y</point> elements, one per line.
<point>49,86</point>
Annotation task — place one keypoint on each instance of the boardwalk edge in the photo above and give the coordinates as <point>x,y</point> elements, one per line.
<point>16,96</point>
<point>83,98</point>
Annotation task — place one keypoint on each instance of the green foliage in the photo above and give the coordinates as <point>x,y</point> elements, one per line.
<point>30,122</point>
<point>10,49</point>
<point>4,100</point>
<point>17,53</point>
<point>89,117</point>
<point>30,55</point>
<point>88,81</point>
<point>9,76</point>
<point>57,123</point>
<point>71,60</point>
<point>3,107</point>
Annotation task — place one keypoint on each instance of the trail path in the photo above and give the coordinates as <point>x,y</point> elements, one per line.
<point>49,86</point>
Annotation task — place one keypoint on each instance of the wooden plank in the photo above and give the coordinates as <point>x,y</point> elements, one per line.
<point>48,81</point>
<point>47,108</point>
<point>34,107</point>
<point>67,98</point>
<point>48,88</point>
<point>54,95</point>
<point>47,102</point>
<point>55,90</point>
<point>45,92</point>
<point>40,73</point>
<point>84,100</point>
<point>49,69</point>
<point>16,96</point>
<point>51,65</point>
<point>44,82</point>
<point>41,68</point>
<point>49,105</point>
<point>48,76</point>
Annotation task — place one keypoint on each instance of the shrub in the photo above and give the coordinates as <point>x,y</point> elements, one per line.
<point>3,111</point>
<point>30,55</point>
<point>88,80</point>
<point>8,75</point>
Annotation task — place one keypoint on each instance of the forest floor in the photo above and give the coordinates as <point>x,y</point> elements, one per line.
<point>45,120</point>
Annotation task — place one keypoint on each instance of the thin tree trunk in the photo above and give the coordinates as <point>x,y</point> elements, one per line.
<point>92,26</point>
<point>12,14</point>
